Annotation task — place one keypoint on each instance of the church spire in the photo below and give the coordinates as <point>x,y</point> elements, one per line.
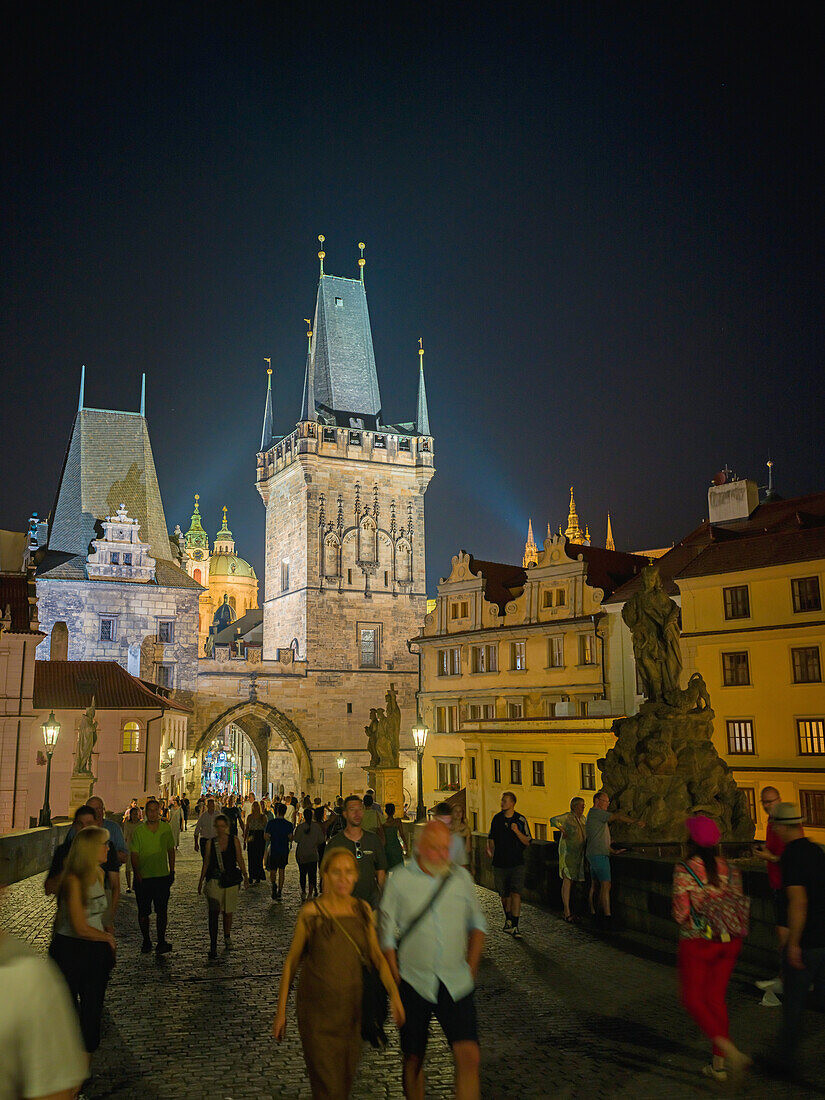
<point>531,551</point>
<point>224,543</point>
<point>422,419</point>
<point>266,433</point>
<point>196,537</point>
<point>608,542</point>
<point>308,399</point>
<point>574,532</point>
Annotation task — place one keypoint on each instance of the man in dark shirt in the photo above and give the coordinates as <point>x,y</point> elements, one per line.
<point>278,834</point>
<point>84,817</point>
<point>803,876</point>
<point>370,858</point>
<point>509,836</point>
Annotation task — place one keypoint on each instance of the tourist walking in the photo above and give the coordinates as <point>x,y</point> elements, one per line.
<point>153,863</point>
<point>184,806</point>
<point>175,819</point>
<point>372,819</point>
<point>318,816</point>
<point>770,852</point>
<point>571,851</point>
<point>460,829</point>
<point>205,826</point>
<point>367,849</point>
<point>308,836</point>
<point>508,837</point>
<point>597,831</point>
<point>223,870</point>
<point>333,940</point>
<point>129,826</point>
<point>133,805</point>
<point>394,849</point>
<point>278,833</point>
<point>443,812</point>
<point>83,942</point>
<point>85,817</point>
<point>253,835</point>
<point>711,911</point>
<point>232,813</point>
<point>335,822</point>
<point>803,873</point>
<point>432,932</point>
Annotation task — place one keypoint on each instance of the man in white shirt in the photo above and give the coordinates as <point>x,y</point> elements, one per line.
<point>205,828</point>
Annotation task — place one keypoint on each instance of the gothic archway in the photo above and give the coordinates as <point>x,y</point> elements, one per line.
<point>259,721</point>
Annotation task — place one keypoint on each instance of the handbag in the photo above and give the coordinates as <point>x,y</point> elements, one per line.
<point>374,1002</point>
<point>723,916</point>
<point>226,879</point>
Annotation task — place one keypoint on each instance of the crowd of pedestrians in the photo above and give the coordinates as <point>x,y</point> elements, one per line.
<point>385,930</point>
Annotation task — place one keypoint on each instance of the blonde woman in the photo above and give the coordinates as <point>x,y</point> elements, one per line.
<point>333,938</point>
<point>83,944</point>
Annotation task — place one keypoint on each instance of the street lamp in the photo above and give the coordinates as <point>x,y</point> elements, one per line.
<point>341,765</point>
<point>51,731</point>
<point>419,736</point>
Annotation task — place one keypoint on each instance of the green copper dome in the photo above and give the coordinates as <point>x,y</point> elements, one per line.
<point>230,565</point>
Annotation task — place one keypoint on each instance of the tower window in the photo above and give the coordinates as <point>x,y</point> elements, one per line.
<point>355,439</point>
<point>369,646</point>
<point>386,579</point>
<point>339,303</point>
<point>108,630</point>
<point>349,576</point>
<point>329,435</point>
<point>166,632</point>
<point>349,708</point>
<point>403,444</point>
<point>285,576</point>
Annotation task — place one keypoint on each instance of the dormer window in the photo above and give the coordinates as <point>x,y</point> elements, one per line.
<point>355,439</point>
<point>339,303</point>
<point>115,558</point>
<point>127,559</point>
<point>403,444</point>
<point>380,441</point>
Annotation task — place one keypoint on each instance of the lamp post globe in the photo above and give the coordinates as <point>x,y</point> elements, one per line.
<point>51,732</point>
<point>342,763</point>
<point>419,736</point>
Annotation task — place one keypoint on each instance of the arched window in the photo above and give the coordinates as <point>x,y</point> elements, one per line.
<point>367,540</point>
<point>232,602</point>
<point>197,576</point>
<point>131,737</point>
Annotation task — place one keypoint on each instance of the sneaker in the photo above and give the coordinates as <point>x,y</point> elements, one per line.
<point>517,933</point>
<point>163,948</point>
<point>769,983</point>
<point>770,999</point>
<point>227,943</point>
<point>508,928</point>
<point>715,1074</point>
<point>147,947</point>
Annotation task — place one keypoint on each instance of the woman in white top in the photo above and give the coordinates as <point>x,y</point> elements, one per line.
<point>83,945</point>
<point>176,819</point>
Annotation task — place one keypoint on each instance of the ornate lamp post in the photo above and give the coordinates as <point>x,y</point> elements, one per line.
<point>341,765</point>
<point>51,732</point>
<point>419,736</point>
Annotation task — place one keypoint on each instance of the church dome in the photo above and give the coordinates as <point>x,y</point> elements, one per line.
<point>230,566</point>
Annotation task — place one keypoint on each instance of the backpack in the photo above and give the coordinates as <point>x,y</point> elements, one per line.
<point>724,916</point>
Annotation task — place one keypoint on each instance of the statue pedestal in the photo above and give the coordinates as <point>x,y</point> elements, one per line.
<point>388,784</point>
<point>80,791</point>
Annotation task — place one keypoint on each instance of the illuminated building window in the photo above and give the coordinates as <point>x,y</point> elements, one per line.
<point>740,737</point>
<point>449,661</point>
<point>806,595</point>
<point>812,804</point>
<point>130,741</point>
<point>339,303</point>
<point>561,597</point>
<point>449,775</point>
<point>515,772</point>
<point>518,656</point>
<point>538,773</point>
<point>735,669</point>
<point>485,658</point>
<point>496,771</point>
<point>806,666</point>
<point>515,708</point>
<point>555,651</point>
<point>737,602</point>
<point>587,649</point>
<point>446,719</point>
<point>197,576</point>
<point>588,776</point>
<point>811,733</point>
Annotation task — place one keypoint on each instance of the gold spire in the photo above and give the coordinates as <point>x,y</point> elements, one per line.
<point>269,365</point>
<point>321,254</point>
<point>609,543</point>
<point>531,551</point>
<point>309,327</point>
<point>574,532</point>
<point>197,498</point>
<point>362,261</point>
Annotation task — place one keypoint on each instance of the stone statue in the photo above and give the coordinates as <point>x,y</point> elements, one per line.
<point>86,741</point>
<point>372,734</point>
<point>653,620</point>
<point>384,733</point>
<point>393,726</point>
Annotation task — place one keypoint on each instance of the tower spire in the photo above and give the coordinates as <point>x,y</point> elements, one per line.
<point>266,433</point>
<point>362,261</point>
<point>196,537</point>
<point>608,542</point>
<point>531,551</point>
<point>422,419</point>
<point>143,395</point>
<point>308,399</point>
<point>82,387</point>
<point>574,532</point>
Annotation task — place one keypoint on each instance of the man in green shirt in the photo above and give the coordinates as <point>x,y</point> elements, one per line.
<point>367,849</point>
<point>153,862</point>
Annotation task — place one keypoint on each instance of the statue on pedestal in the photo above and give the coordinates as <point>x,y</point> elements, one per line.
<point>664,766</point>
<point>384,732</point>
<point>86,741</point>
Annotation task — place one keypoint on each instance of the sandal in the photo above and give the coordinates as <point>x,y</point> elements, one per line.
<point>569,919</point>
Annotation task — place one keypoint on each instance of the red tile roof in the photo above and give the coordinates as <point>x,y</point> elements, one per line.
<point>70,685</point>
<point>14,594</point>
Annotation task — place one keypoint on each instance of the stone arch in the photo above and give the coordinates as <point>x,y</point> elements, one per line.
<point>277,721</point>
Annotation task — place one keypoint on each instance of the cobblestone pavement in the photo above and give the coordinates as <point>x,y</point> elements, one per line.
<point>561,1013</point>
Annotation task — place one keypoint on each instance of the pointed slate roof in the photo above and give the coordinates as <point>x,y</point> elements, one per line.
<point>422,420</point>
<point>267,431</point>
<point>341,376</point>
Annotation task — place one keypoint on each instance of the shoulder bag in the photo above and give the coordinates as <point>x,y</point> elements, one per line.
<point>227,879</point>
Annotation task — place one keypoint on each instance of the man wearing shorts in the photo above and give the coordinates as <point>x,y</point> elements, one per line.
<point>509,836</point>
<point>597,831</point>
<point>432,932</point>
<point>278,834</point>
<point>153,862</point>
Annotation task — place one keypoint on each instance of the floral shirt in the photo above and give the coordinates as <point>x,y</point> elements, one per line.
<point>688,894</point>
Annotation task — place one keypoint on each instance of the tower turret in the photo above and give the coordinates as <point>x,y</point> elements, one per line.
<point>224,543</point>
<point>267,431</point>
<point>422,418</point>
<point>531,551</point>
<point>574,532</point>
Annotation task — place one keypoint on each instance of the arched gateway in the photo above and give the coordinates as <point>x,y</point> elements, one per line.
<point>261,723</point>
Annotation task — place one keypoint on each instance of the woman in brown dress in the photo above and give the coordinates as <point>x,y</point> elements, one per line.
<point>334,936</point>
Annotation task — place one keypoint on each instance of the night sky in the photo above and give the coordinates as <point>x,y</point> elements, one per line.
<point>605,221</point>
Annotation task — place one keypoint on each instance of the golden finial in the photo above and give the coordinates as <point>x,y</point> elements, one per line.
<point>362,261</point>
<point>321,254</point>
<point>197,498</point>
<point>308,324</point>
<point>269,368</point>
<point>421,349</point>
<point>225,510</point>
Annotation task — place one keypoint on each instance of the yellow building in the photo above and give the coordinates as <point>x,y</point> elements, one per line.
<point>222,573</point>
<point>750,583</point>
<point>510,653</point>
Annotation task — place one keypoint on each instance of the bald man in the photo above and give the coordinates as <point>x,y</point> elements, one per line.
<point>432,931</point>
